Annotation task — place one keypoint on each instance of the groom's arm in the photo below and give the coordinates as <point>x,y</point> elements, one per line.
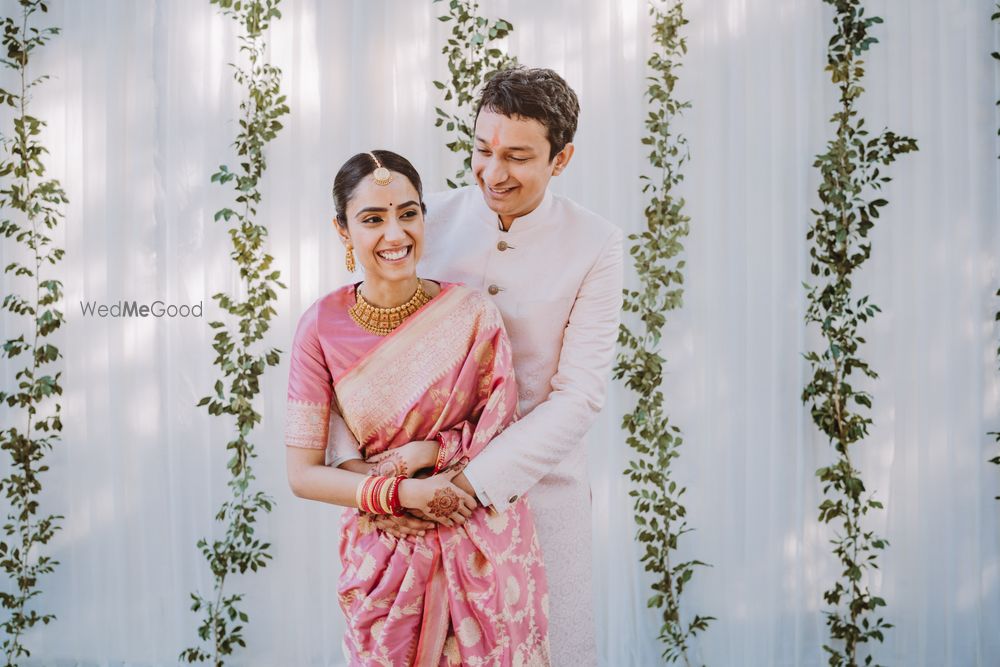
<point>528,449</point>
<point>341,445</point>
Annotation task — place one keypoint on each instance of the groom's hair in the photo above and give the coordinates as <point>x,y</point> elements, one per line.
<point>535,93</point>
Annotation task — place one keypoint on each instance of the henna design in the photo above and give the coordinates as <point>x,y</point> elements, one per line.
<point>392,465</point>
<point>458,465</point>
<point>444,503</point>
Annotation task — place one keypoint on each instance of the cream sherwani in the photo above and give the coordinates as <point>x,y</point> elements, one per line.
<point>556,277</point>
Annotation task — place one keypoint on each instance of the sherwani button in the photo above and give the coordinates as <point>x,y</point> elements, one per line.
<point>512,499</point>
<point>502,246</point>
<point>493,289</point>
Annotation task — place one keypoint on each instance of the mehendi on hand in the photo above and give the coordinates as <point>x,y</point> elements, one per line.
<point>444,503</point>
<point>392,465</point>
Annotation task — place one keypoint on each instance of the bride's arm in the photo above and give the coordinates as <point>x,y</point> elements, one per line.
<point>309,478</point>
<point>436,497</point>
<point>310,395</point>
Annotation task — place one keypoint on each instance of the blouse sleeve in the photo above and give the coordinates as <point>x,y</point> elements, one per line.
<point>310,388</point>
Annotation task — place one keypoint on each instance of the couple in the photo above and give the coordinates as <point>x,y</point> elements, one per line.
<point>410,373</point>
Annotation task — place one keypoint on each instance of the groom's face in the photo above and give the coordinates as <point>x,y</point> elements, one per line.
<point>511,163</point>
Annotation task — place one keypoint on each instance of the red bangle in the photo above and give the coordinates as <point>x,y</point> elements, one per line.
<point>367,496</point>
<point>363,495</point>
<point>377,495</point>
<point>396,506</point>
<point>370,495</point>
<point>438,462</point>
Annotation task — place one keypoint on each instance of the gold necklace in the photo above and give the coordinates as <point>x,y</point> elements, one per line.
<point>382,321</point>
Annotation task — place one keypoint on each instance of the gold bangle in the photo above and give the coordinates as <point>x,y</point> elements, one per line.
<point>358,493</point>
<point>385,508</point>
<point>442,452</point>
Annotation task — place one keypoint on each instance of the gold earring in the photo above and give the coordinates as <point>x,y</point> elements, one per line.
<point>349,259</point>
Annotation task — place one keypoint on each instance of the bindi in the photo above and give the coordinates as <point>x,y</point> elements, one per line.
<point>495,141</point>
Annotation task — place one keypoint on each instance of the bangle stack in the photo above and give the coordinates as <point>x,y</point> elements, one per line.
<point>380,495</point>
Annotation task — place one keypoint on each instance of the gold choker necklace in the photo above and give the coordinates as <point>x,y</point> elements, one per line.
<point>382,321</point>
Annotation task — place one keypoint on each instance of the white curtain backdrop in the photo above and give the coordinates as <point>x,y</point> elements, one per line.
<point>140,113</point>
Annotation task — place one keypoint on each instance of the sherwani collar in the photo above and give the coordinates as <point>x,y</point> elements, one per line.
<point>538,216</point>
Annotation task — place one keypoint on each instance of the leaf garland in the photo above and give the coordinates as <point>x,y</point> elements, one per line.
<point>239,359</point>
<point>472,59</point>
<point>36,201</point>
<point>659,511</point>
<point>850,170</point>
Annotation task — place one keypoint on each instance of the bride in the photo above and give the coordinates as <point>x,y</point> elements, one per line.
<point>405,359</point>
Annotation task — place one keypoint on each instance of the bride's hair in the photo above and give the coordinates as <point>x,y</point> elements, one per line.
<point>361,166</point>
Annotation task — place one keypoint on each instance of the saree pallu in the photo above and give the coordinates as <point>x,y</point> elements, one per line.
<point>468,595</point>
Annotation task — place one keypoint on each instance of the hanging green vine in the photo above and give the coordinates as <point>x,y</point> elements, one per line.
<point>996,54</point>
<point>471,61</point>
<point>850,170</point>
<point>36,201</point>
<point>659,511</point>
<point>996,435</point>
<point>240,359</point>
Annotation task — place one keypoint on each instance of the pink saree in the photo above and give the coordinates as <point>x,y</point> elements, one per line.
<point>470,595</point>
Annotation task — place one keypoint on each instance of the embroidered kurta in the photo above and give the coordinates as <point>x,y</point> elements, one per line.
<point>474,594</point>
<point>556,277</point>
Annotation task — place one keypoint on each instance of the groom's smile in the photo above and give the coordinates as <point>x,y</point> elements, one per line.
<point>511,163</point>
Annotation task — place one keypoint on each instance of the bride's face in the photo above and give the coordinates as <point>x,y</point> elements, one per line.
<point>386,227</point>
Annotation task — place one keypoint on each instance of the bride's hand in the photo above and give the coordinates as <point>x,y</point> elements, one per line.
<point>437,498</point>
<point>402,526</point>
<point>406,459</point>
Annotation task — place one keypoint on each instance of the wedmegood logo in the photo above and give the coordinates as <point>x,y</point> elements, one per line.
<point>136,309</point>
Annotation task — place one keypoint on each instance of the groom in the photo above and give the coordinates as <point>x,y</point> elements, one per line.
<point>554,269</point>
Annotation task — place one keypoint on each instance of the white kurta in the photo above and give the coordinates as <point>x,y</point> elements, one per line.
<point>556,277</point>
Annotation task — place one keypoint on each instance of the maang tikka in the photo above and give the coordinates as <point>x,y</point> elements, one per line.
<point>381,175</point>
